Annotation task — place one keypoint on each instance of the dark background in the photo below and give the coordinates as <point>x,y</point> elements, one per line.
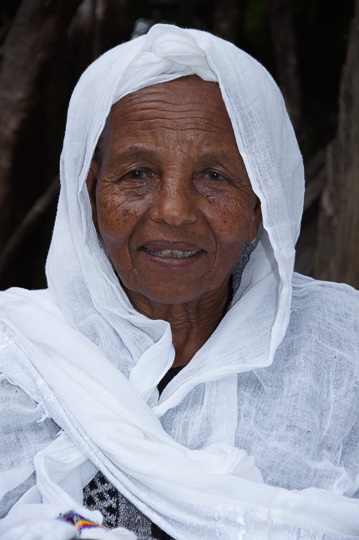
<point>311,47</point>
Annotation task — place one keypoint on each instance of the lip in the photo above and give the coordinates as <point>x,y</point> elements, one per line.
<point>149,250</point>
<point>160,245</point>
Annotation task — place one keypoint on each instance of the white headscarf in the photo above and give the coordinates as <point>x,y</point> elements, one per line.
<point>93,362</point>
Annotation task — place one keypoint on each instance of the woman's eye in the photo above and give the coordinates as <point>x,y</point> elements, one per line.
<point>215,175</point>
<point>136,174</point>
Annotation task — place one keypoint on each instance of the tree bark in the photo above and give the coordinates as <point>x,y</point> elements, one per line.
<point>307,242</point>
<point>29,221</point>
<point>226,19</point>
<point>36,34</point>
<point>338,242</point>
<point>285,48</point>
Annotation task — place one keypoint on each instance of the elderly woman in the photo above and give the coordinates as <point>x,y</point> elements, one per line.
<point>176,378</point>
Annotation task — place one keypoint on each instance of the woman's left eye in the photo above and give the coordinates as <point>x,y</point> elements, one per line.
<point>215,175</point>
<point>136,174</point>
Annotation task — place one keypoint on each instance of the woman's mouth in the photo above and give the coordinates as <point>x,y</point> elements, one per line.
<point>171,253</point>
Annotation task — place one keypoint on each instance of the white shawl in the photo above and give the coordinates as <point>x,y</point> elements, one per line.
<point>93,363</point>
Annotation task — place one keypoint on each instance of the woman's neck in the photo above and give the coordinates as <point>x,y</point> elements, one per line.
<point>191,323</point>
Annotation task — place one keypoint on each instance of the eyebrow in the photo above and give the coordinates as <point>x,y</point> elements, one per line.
<point>130,152</point>
<point>133,150</point>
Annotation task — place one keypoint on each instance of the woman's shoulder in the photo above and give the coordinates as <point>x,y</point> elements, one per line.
<point>329,300</point>
<point>324,323</point>
<point>326,288</point>
<point>21,310</point>
<point>16,297</point>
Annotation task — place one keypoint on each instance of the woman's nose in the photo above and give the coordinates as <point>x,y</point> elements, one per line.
<point>175,203</point>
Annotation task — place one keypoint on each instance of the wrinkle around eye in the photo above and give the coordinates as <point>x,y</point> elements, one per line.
<point>223,180</point>
<point>217,176</point>
<point>135,174</point>
<point>129,175</point>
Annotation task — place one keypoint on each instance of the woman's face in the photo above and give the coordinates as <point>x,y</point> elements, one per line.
<point>171,197</point>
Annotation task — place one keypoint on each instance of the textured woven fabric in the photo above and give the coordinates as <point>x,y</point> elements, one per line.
<point>257,436</point>
<point>117,511</point>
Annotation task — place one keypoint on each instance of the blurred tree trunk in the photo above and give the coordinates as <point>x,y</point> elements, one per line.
<point>226,19</point>
<point>35,36</point>
<point>315,175</point>
<point>285,48</point>
<point>338,243</point>
<point>82,38</point>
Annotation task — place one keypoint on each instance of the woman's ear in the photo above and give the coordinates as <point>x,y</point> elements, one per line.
<point>91,182</point>
<point>256,221</point>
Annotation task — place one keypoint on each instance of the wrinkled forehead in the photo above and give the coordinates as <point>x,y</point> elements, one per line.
<point>185,90</point>
<point>185,103</point>
<point>178,112</point>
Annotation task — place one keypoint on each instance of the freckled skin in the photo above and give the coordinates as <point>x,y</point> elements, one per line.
<point>171,172</point>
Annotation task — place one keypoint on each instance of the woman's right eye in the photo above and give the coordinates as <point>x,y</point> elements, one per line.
<point>136,174</point>
<point>215,175</point>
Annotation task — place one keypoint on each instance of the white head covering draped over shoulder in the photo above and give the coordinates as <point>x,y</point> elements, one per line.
<point>82,351</point>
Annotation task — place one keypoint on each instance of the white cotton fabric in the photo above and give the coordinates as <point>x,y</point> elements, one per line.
<point>82,352</point>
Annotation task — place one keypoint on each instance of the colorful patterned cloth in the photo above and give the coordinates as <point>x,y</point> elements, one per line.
<point>79,522</point>
<point>91,530</point>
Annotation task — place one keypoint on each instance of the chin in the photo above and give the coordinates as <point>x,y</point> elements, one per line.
<point>166,296</point>
<point>172,297</point>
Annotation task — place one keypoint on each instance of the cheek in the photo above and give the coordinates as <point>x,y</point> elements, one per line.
<point>233,220</point>
<point>232,234</point>
<point>116,217</point>
<point>119,220</point>
<point>116,222</point>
